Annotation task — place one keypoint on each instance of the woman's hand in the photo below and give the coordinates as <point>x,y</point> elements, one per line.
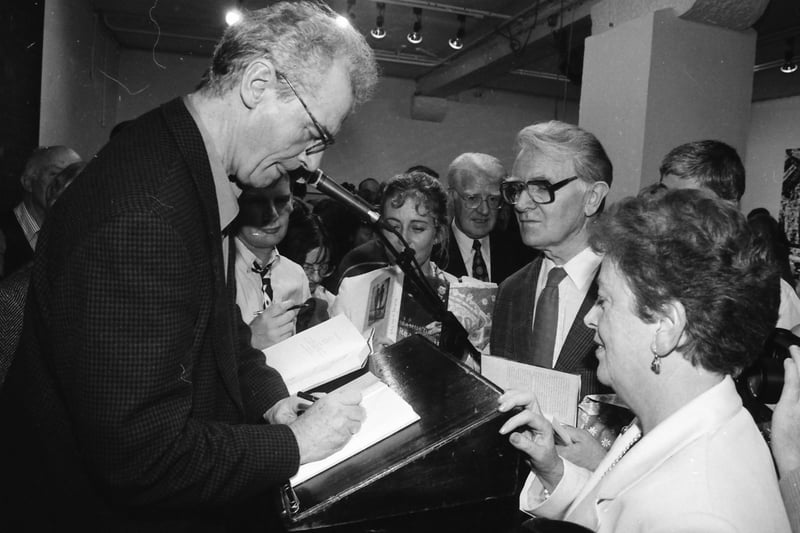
<point>582,449</point>
<point>532,434</point>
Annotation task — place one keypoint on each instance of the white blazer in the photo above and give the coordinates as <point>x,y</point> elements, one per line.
<point>706,468</point>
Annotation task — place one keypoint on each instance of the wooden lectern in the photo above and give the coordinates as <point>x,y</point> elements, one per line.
<point>450,471</point>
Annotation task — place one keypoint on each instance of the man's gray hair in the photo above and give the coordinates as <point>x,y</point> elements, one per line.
<point>302,40</point>
<point>472,162</point>
<point>560,141</point>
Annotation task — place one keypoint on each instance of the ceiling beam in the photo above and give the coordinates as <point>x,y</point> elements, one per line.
<point>497,53</point>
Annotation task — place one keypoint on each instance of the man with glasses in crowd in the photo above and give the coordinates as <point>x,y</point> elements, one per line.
<point>558,185</point>
<point>477,246</point>
<point>135,401</point>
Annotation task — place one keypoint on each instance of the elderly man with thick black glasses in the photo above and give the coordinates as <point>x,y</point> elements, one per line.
<point>557,186</point>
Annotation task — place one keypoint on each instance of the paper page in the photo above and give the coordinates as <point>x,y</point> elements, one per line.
<point>319,354</point>
<point>387,413</point>
<point>557,392</point>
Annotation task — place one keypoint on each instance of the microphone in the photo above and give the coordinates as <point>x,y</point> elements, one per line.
<point>325,184</point>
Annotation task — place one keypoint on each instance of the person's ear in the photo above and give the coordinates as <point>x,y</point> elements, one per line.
<point>593,199</point>
<point>258,79</point>
<point>670,329</point>
<point>27,180</point>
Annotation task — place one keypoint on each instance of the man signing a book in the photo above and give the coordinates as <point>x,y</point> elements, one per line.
<point>135,401</point>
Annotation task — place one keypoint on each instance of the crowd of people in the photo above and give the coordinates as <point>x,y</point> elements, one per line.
<point>137,303</point>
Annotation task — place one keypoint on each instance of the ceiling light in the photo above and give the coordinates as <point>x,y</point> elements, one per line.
<point>457,43</point>
<point>378,32</point>
<point>233,16</point>
<point>789,64</point>
<point>415,37</point>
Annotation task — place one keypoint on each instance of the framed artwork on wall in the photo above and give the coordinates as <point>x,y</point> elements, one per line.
<point>790,207</point>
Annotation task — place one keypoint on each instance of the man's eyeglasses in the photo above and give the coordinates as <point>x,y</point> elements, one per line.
<point>539,190</point>
<point>324,138</point>
<point>323,270</point>
<point>473,201</point>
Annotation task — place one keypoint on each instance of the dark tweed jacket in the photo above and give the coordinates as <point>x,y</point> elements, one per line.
<point>512,336</point>
<point>135,401</point>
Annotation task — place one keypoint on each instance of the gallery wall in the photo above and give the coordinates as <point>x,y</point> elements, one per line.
<point>380,138</point>
<point>88,85</point>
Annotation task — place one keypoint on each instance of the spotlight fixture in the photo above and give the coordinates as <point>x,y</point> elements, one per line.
<point>233,16</point>
<point>457,43</point>
<point>415,37</point>
<point>378,32</point>
<point>789,65</point>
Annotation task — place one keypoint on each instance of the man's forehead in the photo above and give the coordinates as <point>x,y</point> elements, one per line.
<point>475,177</point>
<point>535,164</point>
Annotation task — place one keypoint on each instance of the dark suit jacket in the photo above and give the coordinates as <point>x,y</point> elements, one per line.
<point>512,336</point>
<point>18,249</point>
<point>509,254</point>
<point>135,401</point>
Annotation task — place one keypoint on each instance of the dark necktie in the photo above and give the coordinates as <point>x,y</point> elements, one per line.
<point>478,265</point>
<point>545,322</point>
<point>266,282</point>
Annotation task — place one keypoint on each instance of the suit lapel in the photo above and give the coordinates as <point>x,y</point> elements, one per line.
<point>524,342</point>
<point>580,338</point>
<point>455,264</point>
<point>190,143</point>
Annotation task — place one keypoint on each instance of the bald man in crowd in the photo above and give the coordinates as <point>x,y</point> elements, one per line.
<point>478,247</point>
<point>20,226</point>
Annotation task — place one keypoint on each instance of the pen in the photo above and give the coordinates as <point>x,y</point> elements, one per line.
<point>306,396</point>
<point>292,308</point>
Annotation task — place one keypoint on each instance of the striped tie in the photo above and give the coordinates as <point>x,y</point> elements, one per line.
<point>266,282</point>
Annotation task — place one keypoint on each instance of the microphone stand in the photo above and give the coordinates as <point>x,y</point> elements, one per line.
<point>453,338</point>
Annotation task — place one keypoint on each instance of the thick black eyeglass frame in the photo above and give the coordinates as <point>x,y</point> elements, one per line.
<point>470,199</point>
<point>511,189</point>
<point>324,137</point>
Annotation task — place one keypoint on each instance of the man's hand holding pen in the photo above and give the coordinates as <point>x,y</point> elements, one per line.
<point>327,423</point>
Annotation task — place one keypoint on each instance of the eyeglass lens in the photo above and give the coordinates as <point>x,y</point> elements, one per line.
<point>323,270</point>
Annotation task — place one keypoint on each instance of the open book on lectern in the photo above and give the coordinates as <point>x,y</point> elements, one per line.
<point>386,414</point>
<point>320,354</point>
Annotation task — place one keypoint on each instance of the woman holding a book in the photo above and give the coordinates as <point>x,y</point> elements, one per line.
<point>686,300</point>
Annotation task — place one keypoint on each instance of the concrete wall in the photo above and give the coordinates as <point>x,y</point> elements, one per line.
<point>81,103</point>
<point>653,83</point>
<point>79,60</point>
<point>380,138</point>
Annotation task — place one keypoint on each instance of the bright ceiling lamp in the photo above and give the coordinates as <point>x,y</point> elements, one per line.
<point>415,37</point>
<point>233,16</point>
<point>457,43</point>
<point>378,32</point>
